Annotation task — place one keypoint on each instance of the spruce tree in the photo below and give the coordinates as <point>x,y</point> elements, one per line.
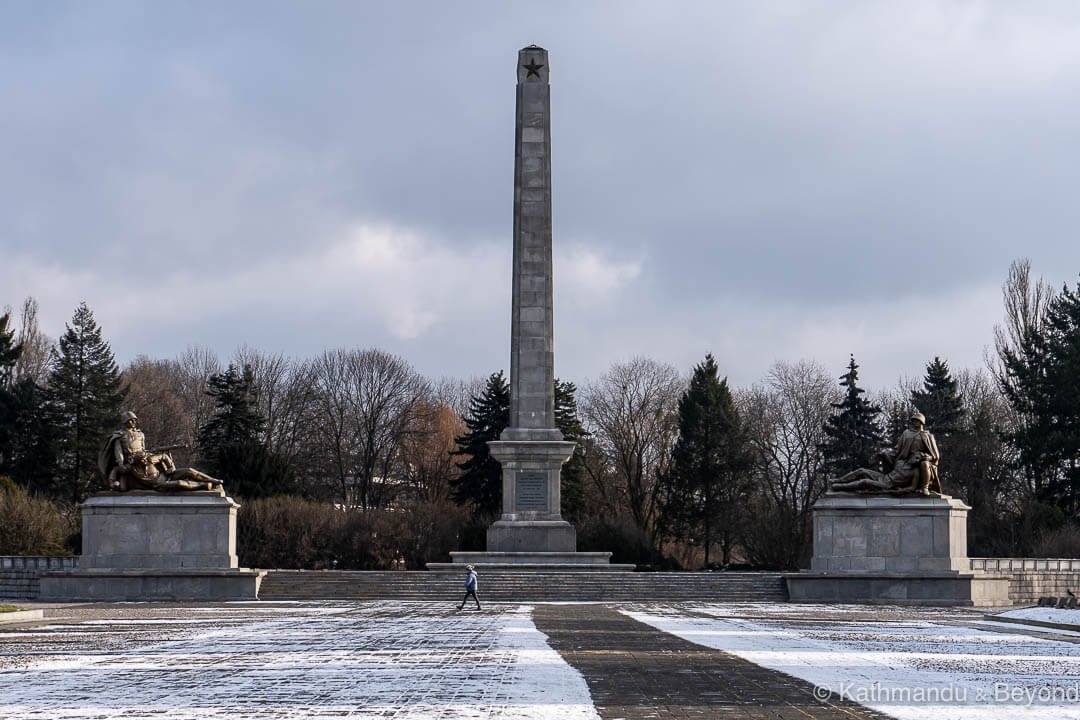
<point>85,396</point>
<point>573,472</point>
<point>27,449</point>
<point>708,483</point>
<point>480,481</point>
<point>854,431</point>
<point>231,443</point>
<point>939,401</point>
<point>10,351</point>
<point>9,355</point>
<point>27,439</point>
<point>1041,385</point>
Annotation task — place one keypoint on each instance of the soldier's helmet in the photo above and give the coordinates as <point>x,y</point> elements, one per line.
<point>918,416</point>
<point>128,415</point>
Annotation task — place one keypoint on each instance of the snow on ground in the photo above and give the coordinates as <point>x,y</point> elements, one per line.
<point>405,660</point>
<point>1045,614</point>
<point>911,668</point>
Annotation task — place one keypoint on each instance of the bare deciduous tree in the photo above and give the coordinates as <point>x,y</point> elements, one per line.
<point>284,397</point>
<point>193,369</point>
<point>429,467</point>
<point>386,395</point>
<point>33,364</point>
<point>785,416</point>
<point>151,386</point>
<point>335,444</point>
<point>1026,303</point>
<point>368,401</point>
<point>458,393</point>
<point>631,412</point>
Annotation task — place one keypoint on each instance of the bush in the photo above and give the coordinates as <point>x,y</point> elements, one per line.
<point>29,525</point>
<point>623,538</point>
<point>292,533</point>
<point>1063,542</point>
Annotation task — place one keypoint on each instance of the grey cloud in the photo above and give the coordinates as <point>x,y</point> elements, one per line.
<point>808,156</point>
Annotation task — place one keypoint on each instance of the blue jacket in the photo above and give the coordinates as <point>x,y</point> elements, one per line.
<point>470,581</point>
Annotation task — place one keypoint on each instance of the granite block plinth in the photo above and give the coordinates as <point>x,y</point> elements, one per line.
<point>961,589</point>
<point>860,534</point>
<point>101,585</point>
<point>903,550</point>
<point>546,536</point>
<point>145,545</point>
<point>151,530</point>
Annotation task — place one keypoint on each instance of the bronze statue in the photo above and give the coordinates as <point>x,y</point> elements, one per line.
<point>910,468</point>
<point>127,465</point>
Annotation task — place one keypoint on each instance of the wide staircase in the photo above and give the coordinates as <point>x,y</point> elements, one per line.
<point>525,586</point>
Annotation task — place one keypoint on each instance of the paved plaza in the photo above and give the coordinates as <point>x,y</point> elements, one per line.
<point>565,661</point>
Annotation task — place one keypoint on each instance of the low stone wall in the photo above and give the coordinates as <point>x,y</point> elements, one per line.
<point>1032,578</point>
<point>1029,578</point>
<point>19,575</point>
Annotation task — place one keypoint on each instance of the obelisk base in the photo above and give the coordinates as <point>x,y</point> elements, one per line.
<point>532,517</point>
<point>531,532</point>
<point>530,536</point>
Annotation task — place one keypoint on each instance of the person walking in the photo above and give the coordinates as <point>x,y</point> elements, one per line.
<point>470,588</point>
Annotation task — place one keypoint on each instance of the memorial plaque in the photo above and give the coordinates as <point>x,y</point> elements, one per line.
<point>530,490</point>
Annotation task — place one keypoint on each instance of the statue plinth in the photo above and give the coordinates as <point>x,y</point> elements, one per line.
<point>887,549</point>
<point>142,530</point>
<point>531,518</point>
<point>146,545</point>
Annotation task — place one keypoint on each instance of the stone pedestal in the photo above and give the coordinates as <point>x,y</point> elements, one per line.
<point>882,549</point>
<point>151,530</point>
<point>156,546</point>
<point>531,518</point>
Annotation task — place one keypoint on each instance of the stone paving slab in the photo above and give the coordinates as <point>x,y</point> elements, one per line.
<point>635,672</point>
<point>328,660</point>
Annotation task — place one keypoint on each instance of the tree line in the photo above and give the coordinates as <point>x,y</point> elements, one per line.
<point>670,470</point>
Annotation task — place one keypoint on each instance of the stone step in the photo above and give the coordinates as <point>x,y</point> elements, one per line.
<point>516,586</point>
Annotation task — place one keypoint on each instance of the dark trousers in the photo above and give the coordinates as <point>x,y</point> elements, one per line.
<point>466,599</point>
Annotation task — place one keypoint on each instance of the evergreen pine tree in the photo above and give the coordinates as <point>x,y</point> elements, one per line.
<point>480,481</point>
<point>1041,385</point>
<point>9,352</point>
<point>27,439</point>
<point>854,431</point>
<point>939,401</point>
<point>9,355</point>
<point>231,444</point>
<point>708,483</point>
<point>27,451</point>
<point>84,395</point>
<point>573,472</point>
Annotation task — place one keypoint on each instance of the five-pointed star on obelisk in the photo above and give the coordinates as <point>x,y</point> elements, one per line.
<point>532,67</point>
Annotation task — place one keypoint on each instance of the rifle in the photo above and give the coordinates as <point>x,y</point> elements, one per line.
<point>167,448</point>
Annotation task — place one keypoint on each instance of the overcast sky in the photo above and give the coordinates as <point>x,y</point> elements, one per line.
<point>762,180</point>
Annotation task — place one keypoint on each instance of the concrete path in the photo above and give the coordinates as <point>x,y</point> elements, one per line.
<point>636,672</point>
<point>300,660</point>
<point>330,660</point>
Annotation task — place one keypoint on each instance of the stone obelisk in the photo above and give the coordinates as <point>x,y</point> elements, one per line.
<point>531,450</point>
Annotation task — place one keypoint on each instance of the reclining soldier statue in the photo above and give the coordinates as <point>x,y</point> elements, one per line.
<point>127,465</point>
<point>910,468</point>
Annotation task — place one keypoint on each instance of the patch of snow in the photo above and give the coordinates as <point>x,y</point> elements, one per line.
<point>362,660</point>
<point>1045,614</point>
<point>909,669</point>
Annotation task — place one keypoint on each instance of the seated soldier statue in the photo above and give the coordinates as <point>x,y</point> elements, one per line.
<point>910,468</point>
<point>127,465</point>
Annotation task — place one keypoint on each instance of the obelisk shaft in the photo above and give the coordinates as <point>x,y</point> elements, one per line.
<point>532,346</point>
